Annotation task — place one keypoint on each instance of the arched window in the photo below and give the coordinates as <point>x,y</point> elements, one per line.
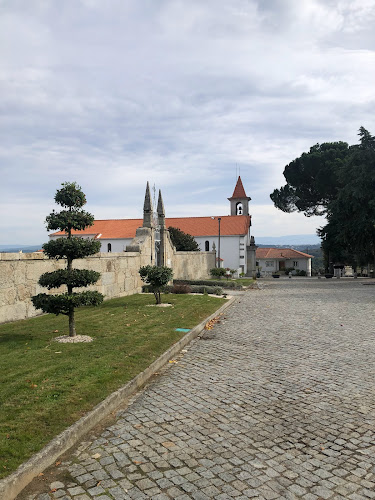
<point>207,246</point>
<point>239,208</point>
<point>109,247</point>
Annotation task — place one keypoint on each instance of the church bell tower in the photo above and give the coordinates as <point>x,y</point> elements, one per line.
<point>239,202</point>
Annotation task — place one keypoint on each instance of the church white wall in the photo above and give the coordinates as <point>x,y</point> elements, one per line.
<point>117,245</point>
<point>232,249</point>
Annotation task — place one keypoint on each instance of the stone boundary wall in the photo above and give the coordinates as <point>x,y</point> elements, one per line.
<point>193,265</point>
<point>19,275</point>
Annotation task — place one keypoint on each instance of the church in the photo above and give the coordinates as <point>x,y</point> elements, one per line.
<point>229,235</point>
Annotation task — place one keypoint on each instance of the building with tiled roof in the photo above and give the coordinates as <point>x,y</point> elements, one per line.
<point>235,248</point>
<point>271,260</point>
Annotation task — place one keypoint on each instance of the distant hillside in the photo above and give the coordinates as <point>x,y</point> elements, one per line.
<point>17,248</point>
<point>291,239</point>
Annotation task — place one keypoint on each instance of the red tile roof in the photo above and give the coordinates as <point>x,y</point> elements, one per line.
<point>280,253</point>
<point>196,226</point>
<point>206,226</point>
<point>239,190</point>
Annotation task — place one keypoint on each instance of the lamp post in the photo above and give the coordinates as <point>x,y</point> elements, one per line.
<point>219,219</point>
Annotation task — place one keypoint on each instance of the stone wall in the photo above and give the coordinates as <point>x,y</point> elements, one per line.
<point>19,273</point>
<point>193,265</point>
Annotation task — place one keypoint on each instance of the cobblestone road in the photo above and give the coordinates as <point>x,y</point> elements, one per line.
<point>277,401</point>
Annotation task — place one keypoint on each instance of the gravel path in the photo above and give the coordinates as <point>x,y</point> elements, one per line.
<point>276,401</point>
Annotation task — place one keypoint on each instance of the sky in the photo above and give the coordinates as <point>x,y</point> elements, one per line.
<point>184,94</point>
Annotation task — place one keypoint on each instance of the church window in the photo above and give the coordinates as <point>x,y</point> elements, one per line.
<point>207,246</point>
<point>270,263</point>
<point>109,247</point>
<point>295,263</point>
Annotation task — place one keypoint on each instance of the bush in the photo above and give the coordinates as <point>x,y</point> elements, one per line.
<point>180,289</point>
<point>223,284</point>
<point>289,270</point>
<point>217,272</point>
<point>211,290</point>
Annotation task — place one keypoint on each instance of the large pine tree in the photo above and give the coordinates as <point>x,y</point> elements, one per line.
<point>70,247</point>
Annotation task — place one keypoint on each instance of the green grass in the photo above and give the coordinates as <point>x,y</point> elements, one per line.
<point>46,386</point>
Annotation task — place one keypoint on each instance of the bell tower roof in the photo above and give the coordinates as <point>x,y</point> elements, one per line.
<point>239,191</point>
<point>239,201</point>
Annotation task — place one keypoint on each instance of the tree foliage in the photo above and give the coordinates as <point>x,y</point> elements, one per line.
<point>70,197</point>
<point>312,179</point>
<point>339,181</point>
<point>182,241</point>
<point>157,278</point>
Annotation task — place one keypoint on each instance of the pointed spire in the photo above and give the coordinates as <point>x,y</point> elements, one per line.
<point>239,190</point>
<point>147,208</point>
<point>161,211</point>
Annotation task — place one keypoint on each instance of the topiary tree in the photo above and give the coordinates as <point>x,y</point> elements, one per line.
<point>217,272</point>
<point>71,198</point>
<point>157,278</point>
<point>183,242</point>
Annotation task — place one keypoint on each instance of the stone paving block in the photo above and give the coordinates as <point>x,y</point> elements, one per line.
<point>268,405</point>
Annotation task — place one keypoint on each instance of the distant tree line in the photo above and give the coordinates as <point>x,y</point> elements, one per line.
<point>338,181</point>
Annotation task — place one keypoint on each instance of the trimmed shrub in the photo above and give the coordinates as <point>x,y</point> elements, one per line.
<point>211,290</point>
<point>223,284</point>
<point>180,289</point>
<point>217,272</point>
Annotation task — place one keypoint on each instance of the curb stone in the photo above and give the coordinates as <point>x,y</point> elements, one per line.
<point>13,484</point>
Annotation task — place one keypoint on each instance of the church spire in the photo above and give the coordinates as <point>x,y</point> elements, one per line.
<point>161,211</point>
<point>239,201</point>
<point>147,208</point>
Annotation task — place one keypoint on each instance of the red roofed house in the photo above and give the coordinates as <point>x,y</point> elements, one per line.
<point>271,260</point>
<point>237,248</point>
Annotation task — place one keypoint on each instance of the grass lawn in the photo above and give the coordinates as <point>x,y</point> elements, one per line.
<point>46,386</point>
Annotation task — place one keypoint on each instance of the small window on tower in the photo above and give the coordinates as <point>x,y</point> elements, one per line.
<point>109,247</point>
<point>207,246</point>
<point>239,209</point>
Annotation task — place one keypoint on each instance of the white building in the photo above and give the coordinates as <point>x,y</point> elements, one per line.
<point>235,246</point>
<point>271,260</point>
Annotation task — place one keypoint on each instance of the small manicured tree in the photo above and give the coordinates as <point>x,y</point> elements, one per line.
<point>157,278</point>
<point>183,242</point>
<point>71,218</point>
<point>217,272</point>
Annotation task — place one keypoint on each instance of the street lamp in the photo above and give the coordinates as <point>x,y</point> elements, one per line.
<point>219,219</point>
<point>218,246</point>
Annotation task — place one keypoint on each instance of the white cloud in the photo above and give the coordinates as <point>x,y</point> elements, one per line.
<point>177,92</point>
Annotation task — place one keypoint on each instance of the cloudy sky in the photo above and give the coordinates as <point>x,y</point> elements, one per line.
<point>182,93</point>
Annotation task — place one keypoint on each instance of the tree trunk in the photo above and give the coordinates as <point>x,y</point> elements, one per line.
<point>72,324</point>
<point>157,297</point>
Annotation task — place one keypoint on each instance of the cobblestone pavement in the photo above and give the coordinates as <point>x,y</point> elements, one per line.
<point>277,401</point>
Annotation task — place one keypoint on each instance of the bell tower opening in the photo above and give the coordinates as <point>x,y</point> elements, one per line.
<point>239,208</point>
